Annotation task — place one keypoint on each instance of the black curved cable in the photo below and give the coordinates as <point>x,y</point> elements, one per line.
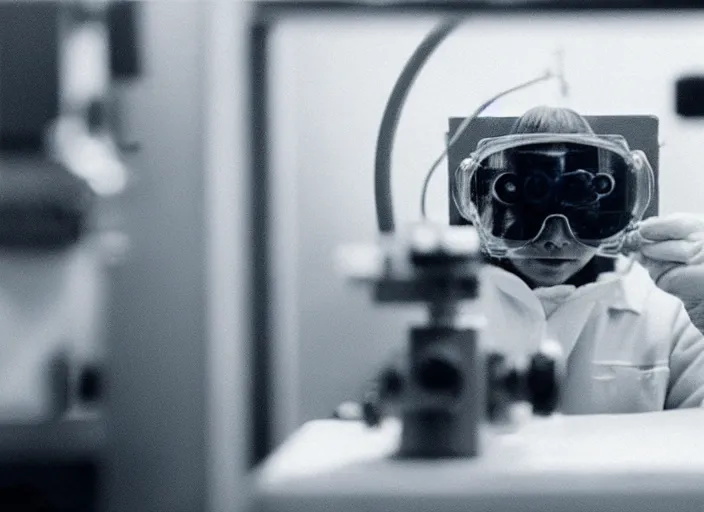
<point>389,122</point>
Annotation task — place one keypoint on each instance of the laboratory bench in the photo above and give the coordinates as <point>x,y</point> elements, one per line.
<point>643,462</point>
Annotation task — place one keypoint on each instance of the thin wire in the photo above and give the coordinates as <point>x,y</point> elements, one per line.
<point>463,127</point>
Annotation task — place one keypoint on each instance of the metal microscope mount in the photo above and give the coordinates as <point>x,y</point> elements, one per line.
<point>446,385</point>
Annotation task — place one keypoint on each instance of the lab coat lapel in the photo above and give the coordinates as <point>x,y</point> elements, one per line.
<point>625,289</point>
<point>567,323</point>
<point>516,317</point>
<point>514,287</point>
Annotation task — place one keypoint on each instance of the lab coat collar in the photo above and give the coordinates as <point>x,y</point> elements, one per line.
<point>633,284</point>
<point>626,288</point>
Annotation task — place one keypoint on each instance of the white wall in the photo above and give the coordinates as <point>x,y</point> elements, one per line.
<point>333,81</point>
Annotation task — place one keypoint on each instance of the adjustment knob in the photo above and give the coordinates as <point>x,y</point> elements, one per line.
<point>391,383</point>
<point>90,385</point>
<point>543,379</point>
<point>503,387</point>
<point>372,408</point>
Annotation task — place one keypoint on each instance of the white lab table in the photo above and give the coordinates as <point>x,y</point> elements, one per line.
<point>639,462</point>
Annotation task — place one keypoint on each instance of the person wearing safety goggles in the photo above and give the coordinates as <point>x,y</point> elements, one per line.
<point>556,206</point>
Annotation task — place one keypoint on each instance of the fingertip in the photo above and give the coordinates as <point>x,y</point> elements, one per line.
<point>653,229</point>
<point>670,251</point>
<point>697,257</point>
<point>676,226</point>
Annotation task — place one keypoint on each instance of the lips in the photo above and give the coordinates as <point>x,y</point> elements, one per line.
<point>552,262</point>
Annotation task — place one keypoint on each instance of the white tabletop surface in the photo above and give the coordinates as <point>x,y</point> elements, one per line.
<point>643,462</point>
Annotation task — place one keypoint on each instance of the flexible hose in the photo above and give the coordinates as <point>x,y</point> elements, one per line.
<point>389,122</point>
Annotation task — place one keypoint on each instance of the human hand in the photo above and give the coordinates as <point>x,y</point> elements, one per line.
<point>671,248</point>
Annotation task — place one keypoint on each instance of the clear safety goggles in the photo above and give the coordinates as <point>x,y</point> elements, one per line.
<point>514,188</point>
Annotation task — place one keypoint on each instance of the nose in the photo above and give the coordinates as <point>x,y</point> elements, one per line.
<point>556,234</point>
<point>554,246</point>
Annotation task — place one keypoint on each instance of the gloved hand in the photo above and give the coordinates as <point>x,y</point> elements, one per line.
<point>671,248</point>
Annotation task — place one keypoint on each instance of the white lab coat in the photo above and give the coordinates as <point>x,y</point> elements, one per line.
<point>629,346</point>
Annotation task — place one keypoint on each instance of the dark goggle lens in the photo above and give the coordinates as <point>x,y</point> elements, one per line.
<point>516,190</point>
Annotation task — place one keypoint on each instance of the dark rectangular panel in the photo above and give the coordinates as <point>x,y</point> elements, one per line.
<point>29,96</point>
<point>122,20</point>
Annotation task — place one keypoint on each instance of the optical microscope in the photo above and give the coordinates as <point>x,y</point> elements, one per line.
<point>448,383</point>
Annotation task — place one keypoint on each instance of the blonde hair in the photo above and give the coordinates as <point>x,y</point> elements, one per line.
<point>543,119</point>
